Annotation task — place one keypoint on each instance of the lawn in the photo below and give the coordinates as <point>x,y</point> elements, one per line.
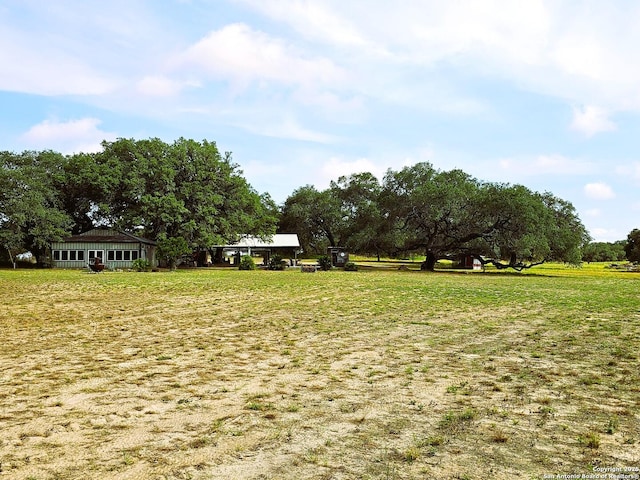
<point>376,374</point>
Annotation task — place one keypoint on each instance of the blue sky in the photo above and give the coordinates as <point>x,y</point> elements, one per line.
<point>541,93</point>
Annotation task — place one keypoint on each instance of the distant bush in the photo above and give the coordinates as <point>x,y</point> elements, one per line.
<point>604,252</point>
<point>141,265</point>
<point>276,262</point>
<point>350,267</point>
<point>324,261</point>
<point>247,263</point>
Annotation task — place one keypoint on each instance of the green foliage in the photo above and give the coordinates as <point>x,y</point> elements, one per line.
<point>315,216</point>
<point>171,249</point>
<point>364,228</point>
<point>632,248</point>
<point>346,214</point>
<point>247,263</point>
<point>141,265</point>
<point>453,421</point>
<point>604,252</point>
<point>442,214</point>
<point>350,267</point>
<point>590,440</point>
<point>185,189</point>
<point>88,189</point>
<point>450,213</point>
<point>276,262</point>
<point>31,215</point>
<point>190,190</point>
<point>324,261</point>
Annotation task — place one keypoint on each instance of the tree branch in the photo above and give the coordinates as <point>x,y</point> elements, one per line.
<point>517,266</point>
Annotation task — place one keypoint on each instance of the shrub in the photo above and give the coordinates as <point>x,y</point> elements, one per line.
<point>324,261</point>
<point>276,262</point>
<point>247,263</point>
<point>350,267</point>
<point>141,265</point>
<point>590,440</point>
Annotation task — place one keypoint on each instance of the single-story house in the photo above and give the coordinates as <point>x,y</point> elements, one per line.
<point>285,244</point>
<point>115,249</point>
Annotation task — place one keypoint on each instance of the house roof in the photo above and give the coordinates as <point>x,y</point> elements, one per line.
<point>279,240</point>
<point>107,236</point>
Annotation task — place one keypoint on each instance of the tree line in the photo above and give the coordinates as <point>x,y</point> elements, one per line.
<point>446,215</point>
<point>441,214</point>
<point>185,195</point>
<point>188,196</point>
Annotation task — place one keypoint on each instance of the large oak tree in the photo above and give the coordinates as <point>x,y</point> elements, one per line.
<point>31,214</point>
<point>187,190</point>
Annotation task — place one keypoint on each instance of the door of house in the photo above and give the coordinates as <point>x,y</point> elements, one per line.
<point>93,254</point>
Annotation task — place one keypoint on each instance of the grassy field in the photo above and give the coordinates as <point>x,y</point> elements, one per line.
<point>211,374</point>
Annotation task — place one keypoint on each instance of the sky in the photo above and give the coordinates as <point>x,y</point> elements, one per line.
<point>543,93</point>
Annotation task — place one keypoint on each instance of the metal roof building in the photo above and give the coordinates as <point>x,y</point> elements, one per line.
<point>279,240</point>
<point>286,244</point>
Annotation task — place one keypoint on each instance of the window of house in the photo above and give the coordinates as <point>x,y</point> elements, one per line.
<point>93,254</point>
<point>68,255</point>
<point>122,255</point>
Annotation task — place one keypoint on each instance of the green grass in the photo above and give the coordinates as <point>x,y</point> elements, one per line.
<point>292,375</point>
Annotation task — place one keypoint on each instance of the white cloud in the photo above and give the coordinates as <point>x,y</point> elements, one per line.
<point>584,52</point>
<point>599,191</point>
<point>413,31</point>
<point>316,20</point>
<point>594,212</point>
<point>243,55</point>
<point>289,129</point>
<point>590,120</point>
<point>580,52</point>
<point>81,135</point>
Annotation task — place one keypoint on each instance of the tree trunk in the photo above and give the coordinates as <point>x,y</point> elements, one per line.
<point>430,262</point>
<point>216,255</point>
<point>331,238</point>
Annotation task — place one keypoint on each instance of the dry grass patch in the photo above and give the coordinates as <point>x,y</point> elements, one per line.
<point>380,375</point>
